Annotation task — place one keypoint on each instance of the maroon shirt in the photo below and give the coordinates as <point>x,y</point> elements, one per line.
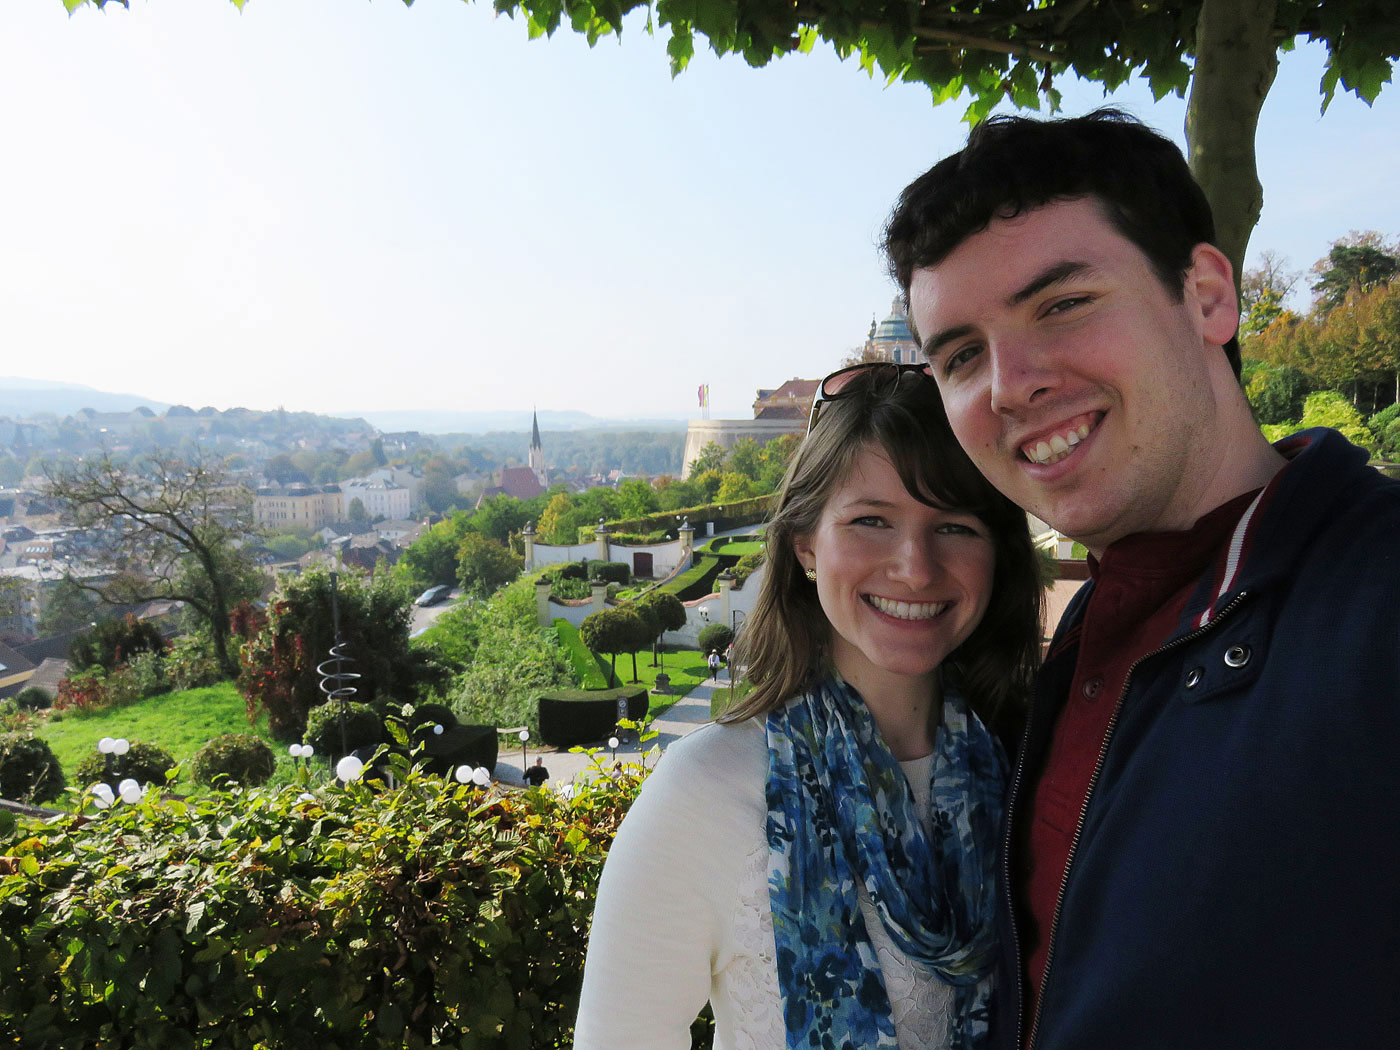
<point>1141,588</point>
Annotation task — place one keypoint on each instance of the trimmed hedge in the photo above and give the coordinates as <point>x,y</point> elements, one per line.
<point>733,515</point>
<point>699,580</point>
<point>457,744</point>
<point>588,667</point>
<point>429,914</point>
<point>572,718</point>
<point>617,572</point>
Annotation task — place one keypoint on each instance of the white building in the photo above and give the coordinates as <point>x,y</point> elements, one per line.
<point>381,497</point>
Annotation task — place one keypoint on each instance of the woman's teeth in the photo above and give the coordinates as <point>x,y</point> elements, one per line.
<point>907,610</point>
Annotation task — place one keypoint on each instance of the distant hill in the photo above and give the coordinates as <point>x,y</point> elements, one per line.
<point>30,397</point>
<point>24,398</point>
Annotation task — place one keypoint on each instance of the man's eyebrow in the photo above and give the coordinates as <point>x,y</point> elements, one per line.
<point>1051,275</point>
<point>1046,278</point>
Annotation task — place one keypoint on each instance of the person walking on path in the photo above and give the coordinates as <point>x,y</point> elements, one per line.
<point>713,661</point>
<point>537,774</point>
<point>820,865</point>
<point>1202,832</point>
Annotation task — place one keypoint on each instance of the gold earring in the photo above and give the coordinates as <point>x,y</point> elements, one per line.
<point>812,575</point>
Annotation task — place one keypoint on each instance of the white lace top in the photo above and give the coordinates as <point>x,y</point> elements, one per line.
<point>683,912</point>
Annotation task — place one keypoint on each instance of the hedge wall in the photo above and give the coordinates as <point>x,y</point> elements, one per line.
<point>574,718</point>
<point>430,914</point>
<point>733,515</point>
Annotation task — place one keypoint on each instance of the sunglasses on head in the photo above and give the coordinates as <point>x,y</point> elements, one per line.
<point>838,384</point>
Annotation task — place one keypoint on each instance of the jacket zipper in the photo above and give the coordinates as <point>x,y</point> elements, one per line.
<point>1029,1043</point>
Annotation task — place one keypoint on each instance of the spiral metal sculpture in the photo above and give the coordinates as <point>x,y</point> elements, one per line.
<point>335,680</point>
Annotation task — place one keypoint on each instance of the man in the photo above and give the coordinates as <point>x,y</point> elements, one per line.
<point>1203,833</point>
<point>537,774</point>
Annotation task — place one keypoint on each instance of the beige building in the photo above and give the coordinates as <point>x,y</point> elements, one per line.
<point>302,506</point>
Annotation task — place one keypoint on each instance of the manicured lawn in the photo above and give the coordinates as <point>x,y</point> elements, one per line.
<point>179,722</point>
<point>686,668</point>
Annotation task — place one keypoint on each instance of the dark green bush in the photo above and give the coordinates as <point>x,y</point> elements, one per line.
<point>114,641</point>
<point>34,698</point>
<point>364,728</point>
<point>147,763</point>
<point>569,718</point>
<point>29,772</point>
<point>234,758</point>
<point>715,638</point>
<point>423,915</point>
<point>457,744</point>
<point>574,570</point>
<point>611,572</point>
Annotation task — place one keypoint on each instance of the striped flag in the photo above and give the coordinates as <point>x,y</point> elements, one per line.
<point>703,392</point>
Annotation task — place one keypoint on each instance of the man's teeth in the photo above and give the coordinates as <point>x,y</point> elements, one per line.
<point>1057,448</point>
<point>908,610</point>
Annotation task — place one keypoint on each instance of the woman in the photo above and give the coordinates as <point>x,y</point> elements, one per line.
<point>821,865</point>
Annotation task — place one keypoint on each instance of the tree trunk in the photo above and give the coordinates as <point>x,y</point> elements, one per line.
<point>1236,59</point>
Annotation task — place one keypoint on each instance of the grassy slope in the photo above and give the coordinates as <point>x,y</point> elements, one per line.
<point>179,722</point>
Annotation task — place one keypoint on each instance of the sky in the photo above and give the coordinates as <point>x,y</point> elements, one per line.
<point>343,207</point>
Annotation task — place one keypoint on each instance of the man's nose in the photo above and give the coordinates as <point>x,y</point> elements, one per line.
<point>1020,373</point>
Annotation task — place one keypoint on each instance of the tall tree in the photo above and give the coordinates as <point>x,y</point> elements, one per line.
<point>1354,264</point>
<point>172,528</point>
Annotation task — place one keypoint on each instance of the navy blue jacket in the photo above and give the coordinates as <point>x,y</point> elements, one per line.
<point>1235,881</point>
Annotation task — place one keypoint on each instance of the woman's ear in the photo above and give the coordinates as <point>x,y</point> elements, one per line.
<point>802,547</point>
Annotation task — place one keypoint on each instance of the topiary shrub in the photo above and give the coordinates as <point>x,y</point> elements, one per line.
<point>364,728</point>
<point>34,698</point>
<point>29,772</point>
<point>715,639</point>
<point>238,758</point>
<point>147,763</point>
<point>570,718</point>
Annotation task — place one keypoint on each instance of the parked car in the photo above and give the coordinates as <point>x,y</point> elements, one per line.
<point>433,595</point>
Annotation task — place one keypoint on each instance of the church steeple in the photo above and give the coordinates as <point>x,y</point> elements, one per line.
<point>537,451</point>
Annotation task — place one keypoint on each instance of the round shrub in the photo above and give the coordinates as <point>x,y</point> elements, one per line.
<point>240,758</point>
<point>364,728</point>
<point>34,699</point>
<point>715,639</point>
<point>146,763</point>
<point>29,772</point>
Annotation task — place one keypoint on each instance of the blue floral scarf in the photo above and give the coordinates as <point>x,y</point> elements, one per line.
<point>841,814</point>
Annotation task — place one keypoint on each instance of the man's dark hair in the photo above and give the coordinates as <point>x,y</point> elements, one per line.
<point>1012,165</point>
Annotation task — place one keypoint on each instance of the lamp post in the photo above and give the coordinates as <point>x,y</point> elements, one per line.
<point>129,790</point>
<point>524,751</point>
<point>612,743</point>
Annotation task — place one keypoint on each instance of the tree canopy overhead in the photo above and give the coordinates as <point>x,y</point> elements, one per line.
<point>1224,53</point>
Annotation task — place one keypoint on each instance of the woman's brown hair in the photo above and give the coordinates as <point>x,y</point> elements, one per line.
<point>785,642</point>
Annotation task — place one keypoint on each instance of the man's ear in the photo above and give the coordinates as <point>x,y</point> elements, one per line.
<point>1211,280</point>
